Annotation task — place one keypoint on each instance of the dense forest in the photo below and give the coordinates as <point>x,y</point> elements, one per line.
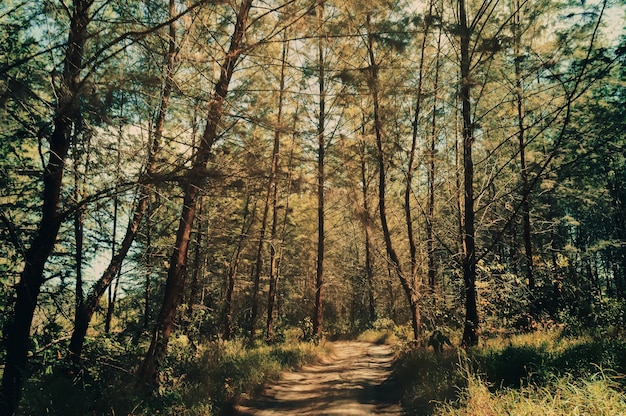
<point>176,175</point>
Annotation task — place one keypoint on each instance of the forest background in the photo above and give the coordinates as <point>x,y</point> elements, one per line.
<point>178,174</point>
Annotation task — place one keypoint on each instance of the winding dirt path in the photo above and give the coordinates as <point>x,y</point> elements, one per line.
<point>353,380</point>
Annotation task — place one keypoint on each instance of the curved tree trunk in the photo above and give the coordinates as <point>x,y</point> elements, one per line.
<point>149,369</point>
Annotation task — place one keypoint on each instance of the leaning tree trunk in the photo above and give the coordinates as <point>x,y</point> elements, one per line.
<point>17,331</point>
<point>85,312</point>
<point>148,371</point>
<point>409,289</point>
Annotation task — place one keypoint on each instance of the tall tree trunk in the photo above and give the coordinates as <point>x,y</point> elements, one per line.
<point>113,290</point>
<point>408,190</point>
<point>409,290</point>
<point>148,371</point>
<point>521,135</point>
<point>85,313</point>
<point>147,290</point>
<point>17,330</point>
<point>369,267</point>
<point>273,269</point>
<point>470,334</point>
<point>430,209</point>
<point>321,151</point>
<point>258,269</point>
<point>79,216</point>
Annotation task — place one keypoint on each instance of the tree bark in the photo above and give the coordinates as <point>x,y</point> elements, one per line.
<point>256,277</point>
<point>148,371</point>
<point>17,331</point>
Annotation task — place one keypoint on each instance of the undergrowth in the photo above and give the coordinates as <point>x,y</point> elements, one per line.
<point>541,373</point>
<point>207,379</point>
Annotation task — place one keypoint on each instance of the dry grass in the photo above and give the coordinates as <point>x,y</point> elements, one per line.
<point>598,396</point>
<point>540,373</point>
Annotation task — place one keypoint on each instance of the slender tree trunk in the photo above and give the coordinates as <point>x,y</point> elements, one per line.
<point>321,151</point>
<point>148,371</point>
<point>148,275</point>
<point>470,334</point>
<point>409,290</point>
<point>369,268</point>
<point>521,135</point>
<point>225,318</point>
<point>430,230</point>
<point>258,269</point>
<point>79,216</point>
<point>273,269</point>
<point>113,290</point>
<point>411,164</point>
<point>85,313</point>
<point>17,330</point>
<point>198,264</point>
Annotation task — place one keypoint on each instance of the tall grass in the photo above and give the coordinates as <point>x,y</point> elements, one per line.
<point>196,380</point>
<point>543,373</point>
<point>596,396</point>
<point>226,372</point>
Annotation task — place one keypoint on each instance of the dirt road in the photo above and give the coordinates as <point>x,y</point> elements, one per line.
<point>354,380</point>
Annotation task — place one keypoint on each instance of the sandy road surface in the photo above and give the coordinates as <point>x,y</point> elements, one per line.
<point>354,380</point>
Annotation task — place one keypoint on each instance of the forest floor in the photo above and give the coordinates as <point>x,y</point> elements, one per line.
<point>355,379</point>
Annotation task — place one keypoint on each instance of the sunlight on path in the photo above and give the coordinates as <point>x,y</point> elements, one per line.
<point>354,380</point>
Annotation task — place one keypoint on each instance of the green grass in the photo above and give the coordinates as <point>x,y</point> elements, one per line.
<point>542,373</point>
<point>196,380</point>
<point>597,395</point>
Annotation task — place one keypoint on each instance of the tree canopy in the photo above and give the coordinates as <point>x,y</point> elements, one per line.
<point>220,170</point>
